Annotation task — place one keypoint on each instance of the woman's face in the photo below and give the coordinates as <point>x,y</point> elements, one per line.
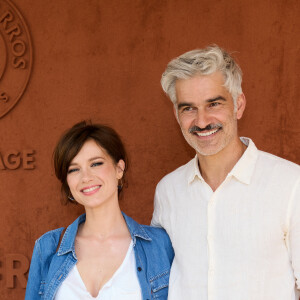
<point>93,176</point>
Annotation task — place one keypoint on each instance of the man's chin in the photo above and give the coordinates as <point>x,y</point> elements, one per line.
<point>208,150</point>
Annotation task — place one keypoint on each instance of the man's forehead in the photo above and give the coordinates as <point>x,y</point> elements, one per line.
<point>204,86</point>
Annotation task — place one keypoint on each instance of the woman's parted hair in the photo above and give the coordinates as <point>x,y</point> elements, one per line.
<point>71,143</point>
<point>203,62</point>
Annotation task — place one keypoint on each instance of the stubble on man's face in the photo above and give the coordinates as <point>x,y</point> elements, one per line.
<point>206,114</point>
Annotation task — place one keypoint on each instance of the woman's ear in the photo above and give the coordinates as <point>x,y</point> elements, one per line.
<point>120,168</point>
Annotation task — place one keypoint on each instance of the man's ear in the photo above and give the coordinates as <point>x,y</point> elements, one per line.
<point>240,106</point>
<point>175,110</point>
<point>120,168</point>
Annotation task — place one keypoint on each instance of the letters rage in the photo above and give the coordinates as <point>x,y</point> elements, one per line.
<point>15,159</point>
<point>14,32</point>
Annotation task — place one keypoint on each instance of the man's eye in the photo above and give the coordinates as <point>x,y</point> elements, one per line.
<point>72,170</point>
<point>213,104</point>
<point>96,164</point>
<point>187,109</point>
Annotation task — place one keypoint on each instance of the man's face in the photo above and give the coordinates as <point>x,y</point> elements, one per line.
<point>205,112</point>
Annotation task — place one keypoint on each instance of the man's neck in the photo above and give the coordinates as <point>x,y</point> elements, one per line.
<point>214,168</point>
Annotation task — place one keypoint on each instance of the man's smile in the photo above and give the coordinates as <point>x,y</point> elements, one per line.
<point>209,130</point>
<point>207,133</point>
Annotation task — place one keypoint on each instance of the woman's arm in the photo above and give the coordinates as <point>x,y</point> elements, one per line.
<point>35,283</point>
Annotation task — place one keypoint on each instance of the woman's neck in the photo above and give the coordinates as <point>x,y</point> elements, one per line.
<point>103,222</point>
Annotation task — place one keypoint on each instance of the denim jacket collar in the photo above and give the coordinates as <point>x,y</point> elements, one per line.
<point>135,229</point>
<point>68,241</point>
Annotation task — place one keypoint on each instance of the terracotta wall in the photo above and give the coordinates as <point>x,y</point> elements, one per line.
<point>102,60</point>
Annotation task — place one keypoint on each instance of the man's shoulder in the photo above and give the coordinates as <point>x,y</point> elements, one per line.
<point>278,164</point>
<point>179,174</point>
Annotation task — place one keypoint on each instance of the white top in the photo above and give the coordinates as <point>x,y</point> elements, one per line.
<point>241,242</point>
<point>123,285</point>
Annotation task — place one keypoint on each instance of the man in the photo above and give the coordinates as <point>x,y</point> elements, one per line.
<point>232,212</point>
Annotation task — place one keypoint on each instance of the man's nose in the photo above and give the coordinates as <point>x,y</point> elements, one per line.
<point>202,119</point>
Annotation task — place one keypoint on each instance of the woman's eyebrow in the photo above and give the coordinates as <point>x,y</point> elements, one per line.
<point>90,159</point>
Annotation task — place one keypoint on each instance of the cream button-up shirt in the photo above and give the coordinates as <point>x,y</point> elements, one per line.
<point>241,242</point>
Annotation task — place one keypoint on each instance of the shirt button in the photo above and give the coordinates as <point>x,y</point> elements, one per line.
<point>139,269</point>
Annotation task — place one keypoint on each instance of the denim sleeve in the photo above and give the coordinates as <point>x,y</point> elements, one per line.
<point>35,282</point>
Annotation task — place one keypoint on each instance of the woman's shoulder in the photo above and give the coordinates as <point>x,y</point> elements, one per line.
<point>158,236</point>
<point>155,231</point>
<point>48,241</point>
<point>50,235</point>
<point>160,243</point>
<point>145,231</point>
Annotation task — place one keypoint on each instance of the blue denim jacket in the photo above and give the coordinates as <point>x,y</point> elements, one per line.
<point>153,253</point>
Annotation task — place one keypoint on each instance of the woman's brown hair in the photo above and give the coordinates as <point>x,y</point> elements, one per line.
<point>72,141</point>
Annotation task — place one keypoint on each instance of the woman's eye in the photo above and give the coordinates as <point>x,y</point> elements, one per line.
<point>72,170</point>
<point>96,164</point>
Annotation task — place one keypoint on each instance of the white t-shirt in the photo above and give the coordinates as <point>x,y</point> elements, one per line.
<point>123,285</point>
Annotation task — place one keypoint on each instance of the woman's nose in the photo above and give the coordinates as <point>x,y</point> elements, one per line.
<point>86,175</point>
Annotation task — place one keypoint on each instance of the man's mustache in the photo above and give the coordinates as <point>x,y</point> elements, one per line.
<point>208,127</point>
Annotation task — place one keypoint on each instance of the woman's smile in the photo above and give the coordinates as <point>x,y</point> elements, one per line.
<point>91,190</point>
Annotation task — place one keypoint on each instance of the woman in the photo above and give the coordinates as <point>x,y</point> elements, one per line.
<point>103,254</point>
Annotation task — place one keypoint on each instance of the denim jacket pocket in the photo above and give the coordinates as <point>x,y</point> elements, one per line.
<point>42,288</point>
<point>159,285</point>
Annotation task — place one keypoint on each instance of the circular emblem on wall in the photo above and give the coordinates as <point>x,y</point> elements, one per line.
<point>15,56</point>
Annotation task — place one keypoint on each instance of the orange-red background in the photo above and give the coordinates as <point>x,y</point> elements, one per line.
<point>102,60</point>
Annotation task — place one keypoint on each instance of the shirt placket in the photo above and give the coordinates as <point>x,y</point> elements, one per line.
<point>211,221</point>
<point>210,246</point>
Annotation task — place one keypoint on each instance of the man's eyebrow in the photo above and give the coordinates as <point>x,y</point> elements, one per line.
<point>216,99</point>
<point>184,104</point>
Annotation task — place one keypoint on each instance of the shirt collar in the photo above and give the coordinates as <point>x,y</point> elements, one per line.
<point>242,170</point>
<point>68,241</point>
<point>193,170</point>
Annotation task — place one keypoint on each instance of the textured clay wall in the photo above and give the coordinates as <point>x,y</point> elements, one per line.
<point>102,60</point>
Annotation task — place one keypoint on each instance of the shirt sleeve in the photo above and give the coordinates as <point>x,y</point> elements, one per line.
<point>294,232</point>
<point>34,283</point>
<point>156,217</point>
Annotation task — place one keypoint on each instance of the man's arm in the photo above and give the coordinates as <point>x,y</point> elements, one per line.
<point>294,232</point>
<point>156,217</point>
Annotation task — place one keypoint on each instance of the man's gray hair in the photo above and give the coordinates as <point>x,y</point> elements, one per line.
<point>203,62</point>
